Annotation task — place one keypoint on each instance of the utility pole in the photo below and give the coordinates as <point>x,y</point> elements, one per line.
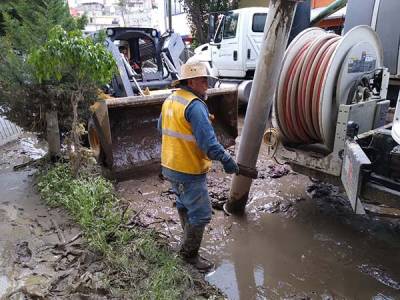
<point>170,15</point>
<point>276,34</point>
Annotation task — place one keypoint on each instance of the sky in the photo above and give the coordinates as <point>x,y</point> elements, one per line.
<point>72,3</point>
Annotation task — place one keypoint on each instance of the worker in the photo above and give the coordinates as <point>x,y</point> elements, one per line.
<point>188,146</point>
<point>124,52</point>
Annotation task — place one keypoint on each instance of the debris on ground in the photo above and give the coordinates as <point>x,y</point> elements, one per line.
<point>46,255</point>
<point>284,206</point>
<point>381,275</point>
<point>329,197</point>
<point>219,193</point>
<point>319,190</point>
<point>277,171</point>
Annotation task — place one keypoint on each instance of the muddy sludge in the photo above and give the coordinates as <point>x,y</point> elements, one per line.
<point>298,239</point>
<point>41,252</point>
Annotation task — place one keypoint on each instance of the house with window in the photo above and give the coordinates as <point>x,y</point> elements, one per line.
<point>109,13</point>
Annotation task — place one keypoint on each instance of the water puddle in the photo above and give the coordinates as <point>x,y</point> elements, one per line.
<point>30,146</point>
<point>5,285</point>
<point>27,147</point>
<point>310,255</point>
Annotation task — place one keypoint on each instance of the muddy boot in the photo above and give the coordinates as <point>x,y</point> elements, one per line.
<point>183,217</point>
<point>193,236</point>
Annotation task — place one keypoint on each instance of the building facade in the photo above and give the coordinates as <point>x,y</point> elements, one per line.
<point>110,13</point>
<point>180,23</point>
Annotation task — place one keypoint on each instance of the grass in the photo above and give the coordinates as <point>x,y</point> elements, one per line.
<point>142,266</point>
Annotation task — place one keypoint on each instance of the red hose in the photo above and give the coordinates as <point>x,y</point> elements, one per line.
<point>302,89</point>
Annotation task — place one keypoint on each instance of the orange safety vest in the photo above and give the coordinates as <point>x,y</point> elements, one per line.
<point>179,150</point>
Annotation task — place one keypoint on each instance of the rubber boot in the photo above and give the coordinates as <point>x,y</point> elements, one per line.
<point>183,217</point>
<point>192,238</point>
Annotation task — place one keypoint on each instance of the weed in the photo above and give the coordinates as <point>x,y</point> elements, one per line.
<point>144,267</point>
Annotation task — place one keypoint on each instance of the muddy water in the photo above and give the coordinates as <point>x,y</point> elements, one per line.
<point>306,251</point>
<point>296,241</point>
<point>20,212</point>
<point>35,263</point>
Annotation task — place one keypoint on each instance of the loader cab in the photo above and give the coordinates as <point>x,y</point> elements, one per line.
<point>141,66</point>
<point>237,41</point>
<point>143,50</point>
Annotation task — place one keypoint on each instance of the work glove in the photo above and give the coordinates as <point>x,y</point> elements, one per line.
<point>230,166</point>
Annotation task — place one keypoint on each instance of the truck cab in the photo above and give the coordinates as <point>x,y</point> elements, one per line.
<point>234,49</point>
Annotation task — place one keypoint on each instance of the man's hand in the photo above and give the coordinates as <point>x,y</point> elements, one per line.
<point>230,166</point>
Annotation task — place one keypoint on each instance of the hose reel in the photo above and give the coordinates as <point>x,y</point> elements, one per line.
<point>319,69</point>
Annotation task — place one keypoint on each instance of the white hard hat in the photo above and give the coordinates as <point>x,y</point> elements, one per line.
<point>193,70</point>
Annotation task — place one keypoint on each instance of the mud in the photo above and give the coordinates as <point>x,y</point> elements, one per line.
<point>36,259</point>
<point>298,239</point>
<point>135,139</point>
<point>136,142</point>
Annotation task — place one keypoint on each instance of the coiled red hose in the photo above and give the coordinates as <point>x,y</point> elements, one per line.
<point>303,86</point>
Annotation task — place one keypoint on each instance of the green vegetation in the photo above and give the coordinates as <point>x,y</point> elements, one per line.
<point>49,73</point>
<point>27,23</point>
<point>141,264</point>
<point>198,12</point>
<point>72,64</point>
<point>24,27</point>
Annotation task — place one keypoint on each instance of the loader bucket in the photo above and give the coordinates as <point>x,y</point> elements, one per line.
<point>123,131</point>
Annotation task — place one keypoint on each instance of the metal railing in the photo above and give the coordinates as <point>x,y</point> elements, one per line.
<point>8,131</point>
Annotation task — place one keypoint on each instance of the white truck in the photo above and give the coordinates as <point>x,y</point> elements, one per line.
<point>232,54</point>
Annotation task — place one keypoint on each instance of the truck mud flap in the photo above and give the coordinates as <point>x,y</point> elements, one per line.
<point>123,131</point>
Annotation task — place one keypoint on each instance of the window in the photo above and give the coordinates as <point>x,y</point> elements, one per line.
<point>259,22</point>
<point>230,26</point>
<point>177,7</point>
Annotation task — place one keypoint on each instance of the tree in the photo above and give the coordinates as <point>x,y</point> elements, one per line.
<point>70,62</point>
<point>4,10</point>
<point>198,11</point>
<point>34,20</point>
<point>26,26</point>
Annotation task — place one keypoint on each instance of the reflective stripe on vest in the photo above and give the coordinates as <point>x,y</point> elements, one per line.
<point>187,137</point>
<point>179,150</point>
<point>179,99</point>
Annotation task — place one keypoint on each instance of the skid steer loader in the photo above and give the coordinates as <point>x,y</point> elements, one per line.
<point>122,129</point>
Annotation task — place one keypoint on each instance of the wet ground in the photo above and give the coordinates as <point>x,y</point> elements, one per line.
<point>298,239</point>
<point>41,253</point>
